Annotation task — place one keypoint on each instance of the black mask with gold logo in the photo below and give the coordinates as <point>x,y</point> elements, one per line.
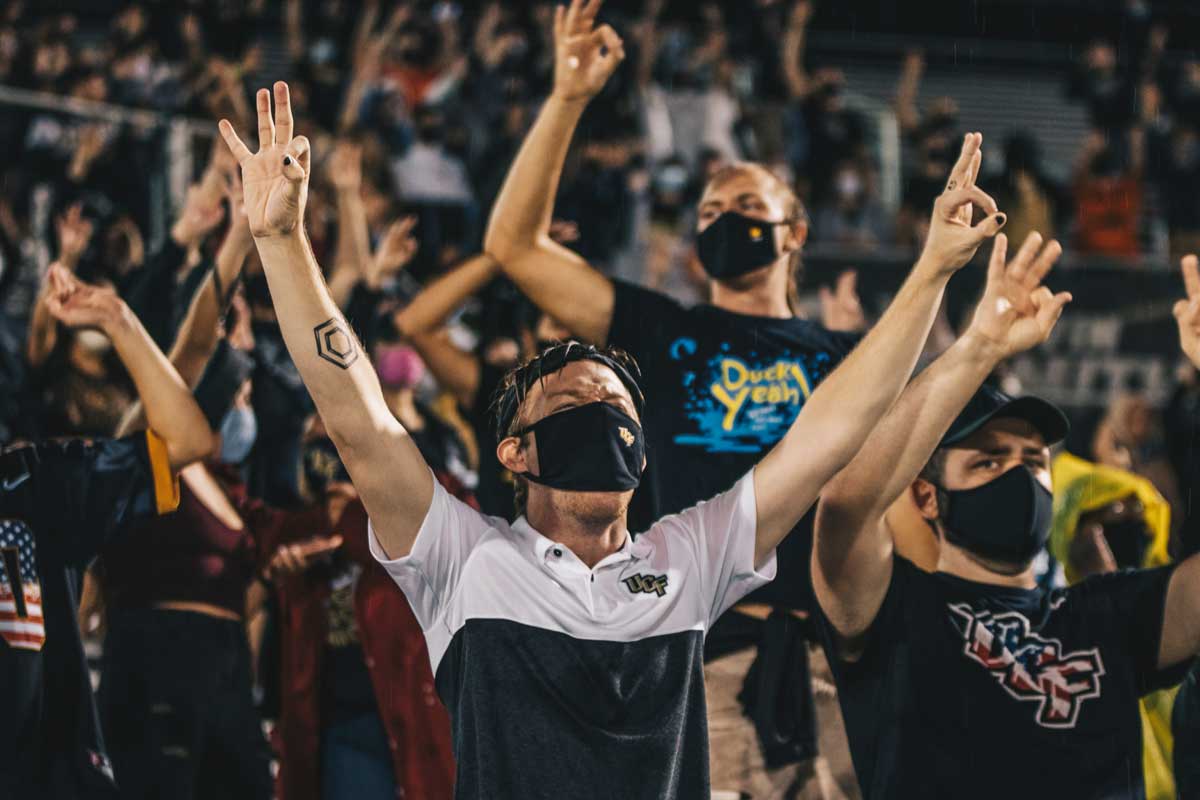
<point>590,448</point>
<point>735,244</point>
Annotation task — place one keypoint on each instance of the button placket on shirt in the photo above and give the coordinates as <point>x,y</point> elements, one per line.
<point>566,568</point>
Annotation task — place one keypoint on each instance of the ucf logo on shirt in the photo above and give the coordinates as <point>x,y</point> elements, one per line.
<point>1028,666</point>
<point>656,584</point>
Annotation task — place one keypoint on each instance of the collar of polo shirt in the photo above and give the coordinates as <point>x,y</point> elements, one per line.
<point>543,548</point>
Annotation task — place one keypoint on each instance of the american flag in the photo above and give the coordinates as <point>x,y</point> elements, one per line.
<point>21,621</point>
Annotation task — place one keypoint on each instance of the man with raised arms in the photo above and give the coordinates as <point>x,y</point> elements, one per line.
<point>568,654</point>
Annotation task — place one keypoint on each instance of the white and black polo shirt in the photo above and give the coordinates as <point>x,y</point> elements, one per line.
<point>565,681</point>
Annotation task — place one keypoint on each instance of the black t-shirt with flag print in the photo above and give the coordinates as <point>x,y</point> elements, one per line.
<point>59,503</point>
<point>721,389</point>
<point>966,689</point>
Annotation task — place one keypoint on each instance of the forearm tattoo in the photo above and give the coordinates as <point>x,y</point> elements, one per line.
<point>335,343</point>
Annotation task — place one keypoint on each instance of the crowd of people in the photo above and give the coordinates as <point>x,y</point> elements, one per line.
<point>470,443</point>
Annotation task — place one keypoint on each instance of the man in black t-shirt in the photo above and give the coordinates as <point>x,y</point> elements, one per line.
<point>723,381</point>
<point>971,680</point>
<point>60,502</point>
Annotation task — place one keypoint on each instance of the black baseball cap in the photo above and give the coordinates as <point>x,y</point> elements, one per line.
<point>990,403</point>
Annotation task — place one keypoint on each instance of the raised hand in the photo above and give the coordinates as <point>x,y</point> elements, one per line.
<point>1187,312</point>
<point>202,212</point>
<point>290,559</point>
<point>396,249</point>
<point>345,166</point>
<point>78,304</point>
<point>585,55</point>
<point>841,308</point>
<point>74,233</point>
<point>801,13</point>
<point>952,239</point>
<point>1017,312</point>
<point>275,179</point>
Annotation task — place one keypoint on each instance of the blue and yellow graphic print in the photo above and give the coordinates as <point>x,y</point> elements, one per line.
<point>744,402</point>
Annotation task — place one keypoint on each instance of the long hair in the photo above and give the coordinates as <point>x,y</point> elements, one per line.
<point>793,210</point>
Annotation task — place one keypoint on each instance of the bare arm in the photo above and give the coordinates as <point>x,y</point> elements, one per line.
<point>421,320</point>
<point>518,235</point>
<point>430,309</point>
<point>43,330</point>
<point>456,370</point>
<point>852,557</point>
<point>792,57</point>
<point>353,251</point>
<point>293,19</point>
<point>838,417</point>
<point>74,232</point>
<point>906,91</point>
<point>648,41</point>
<point>1181,617</point>
<point>170,407</point>
<point>388,471</point>
<point>197,338</point>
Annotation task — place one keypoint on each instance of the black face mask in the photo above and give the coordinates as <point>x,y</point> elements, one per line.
<point>589,448</point>
<point>1007,519</point>
<point>735,244</point>
<point>1128,541</point>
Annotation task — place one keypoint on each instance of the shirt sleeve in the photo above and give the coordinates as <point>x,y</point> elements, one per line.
<point>430,573</point>
<point>720,535</point>
<point>1128,608</point>
<point>87,492</point>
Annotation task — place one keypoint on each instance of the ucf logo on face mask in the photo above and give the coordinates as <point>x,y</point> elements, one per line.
<point>626,436</point>
<point>647,583</point>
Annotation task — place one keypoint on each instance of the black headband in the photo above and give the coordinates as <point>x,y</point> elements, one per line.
<point>516,384</point>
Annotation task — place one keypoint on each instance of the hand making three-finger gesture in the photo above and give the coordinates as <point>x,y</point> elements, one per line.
<point>585,54</point>
<point>952,239</point>
<point>275,179</point>
<point>1017,312</point>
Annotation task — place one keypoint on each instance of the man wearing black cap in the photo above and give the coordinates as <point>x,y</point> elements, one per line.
<point>970,681</point>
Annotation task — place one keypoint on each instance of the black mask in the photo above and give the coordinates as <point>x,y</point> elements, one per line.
<point>1128,541</point>
<point>589,448</point>
<point>735,244</point>
<point>1007,519</point>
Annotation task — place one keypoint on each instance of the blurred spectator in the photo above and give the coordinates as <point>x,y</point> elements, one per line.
<point>1130,437</point>
<point>854,217</point>
<point>1030,198</point>
<point>1177,173</point>
<point>1108,92</point>
<point>1108,195</point>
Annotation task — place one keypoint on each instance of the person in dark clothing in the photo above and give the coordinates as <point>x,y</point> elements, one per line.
<point>60,502</point>
<point>973,670</point>
<point>175,692</point>
<point>724,380</point>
